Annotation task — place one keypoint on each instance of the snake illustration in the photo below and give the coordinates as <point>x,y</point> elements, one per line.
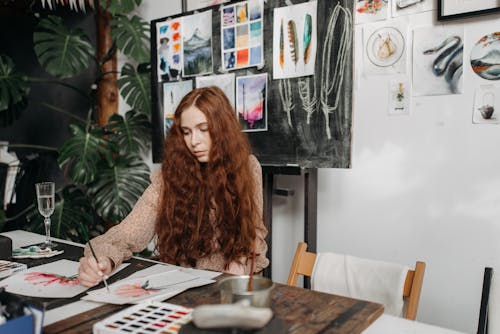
<point>449,62</point>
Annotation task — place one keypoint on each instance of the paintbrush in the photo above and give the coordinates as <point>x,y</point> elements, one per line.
<point>252,268</point>
<point>95,257</point>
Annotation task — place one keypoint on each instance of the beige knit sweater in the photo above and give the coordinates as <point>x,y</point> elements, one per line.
<point>137,230</point>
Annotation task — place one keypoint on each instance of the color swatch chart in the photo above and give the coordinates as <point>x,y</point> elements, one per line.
<point>146,318</point>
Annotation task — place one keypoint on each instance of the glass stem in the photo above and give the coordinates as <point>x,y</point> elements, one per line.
<point>47,230</point>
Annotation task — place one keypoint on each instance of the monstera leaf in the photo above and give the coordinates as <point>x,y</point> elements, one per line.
<point>131,36</point>
<point>81,153</point>
<point>118,187</point>
<point>131,133</point>
<point>122,6</point>
<point>135,88</point>
<point>72,218</point>
<point>62,52</point>
<point>14,87</point>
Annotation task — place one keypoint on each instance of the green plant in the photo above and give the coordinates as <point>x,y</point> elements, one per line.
<point>103,164</point>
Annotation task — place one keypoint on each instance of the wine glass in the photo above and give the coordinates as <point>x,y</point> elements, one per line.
<point>45,198</point>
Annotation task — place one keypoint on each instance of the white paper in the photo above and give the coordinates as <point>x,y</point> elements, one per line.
<point>294,55</point>
<point>152,287</point>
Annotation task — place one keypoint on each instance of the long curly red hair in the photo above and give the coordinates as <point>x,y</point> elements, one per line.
<point>207,207</point>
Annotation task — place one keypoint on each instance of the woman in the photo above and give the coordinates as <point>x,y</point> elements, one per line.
<point>205,206</point>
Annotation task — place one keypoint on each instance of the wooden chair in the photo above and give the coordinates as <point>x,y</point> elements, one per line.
<point>303,263</point>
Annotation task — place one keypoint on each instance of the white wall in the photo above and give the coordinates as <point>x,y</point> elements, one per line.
<point>421,187</point>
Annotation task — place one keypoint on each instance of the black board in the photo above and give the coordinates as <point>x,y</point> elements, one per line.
<point>324,140</point>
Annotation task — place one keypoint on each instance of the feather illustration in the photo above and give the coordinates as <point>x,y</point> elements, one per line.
<point>282,45</point>
<point>307,37</point>
<point>292,40</point>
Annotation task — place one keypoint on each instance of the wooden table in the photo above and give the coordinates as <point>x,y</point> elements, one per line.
<point>302,311</point>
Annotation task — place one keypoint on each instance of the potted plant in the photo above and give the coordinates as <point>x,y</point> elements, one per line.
<point>103,163</point>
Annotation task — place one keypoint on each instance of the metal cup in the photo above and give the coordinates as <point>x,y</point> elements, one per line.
<point>235,288</point>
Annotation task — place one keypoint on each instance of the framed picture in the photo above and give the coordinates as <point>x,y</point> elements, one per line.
<point>458,9</point>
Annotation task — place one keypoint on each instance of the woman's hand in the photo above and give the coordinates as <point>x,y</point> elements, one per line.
<point>91,273</point>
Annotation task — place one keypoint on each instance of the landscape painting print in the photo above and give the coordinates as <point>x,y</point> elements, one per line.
<point>251,102</point>
<point>197,44</point>
<point>173,92</point>
<point>485,57</point>
<point>294,40</point>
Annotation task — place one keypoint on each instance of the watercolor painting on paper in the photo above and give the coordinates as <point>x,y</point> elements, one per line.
<point>251,102</point>
<point>485,57</point>
<point>169,50</point>
<point>57,279</point>
<point>438,60</point>
<point>385,48</point>
<point>407,7</point>
<point>173,92</point>
<point>486,105</point>
<point>242,35</point>
<point>370,10</point>
<point>157,286</point>
<point>197,44</point>
<point>399,97</point>
<point>294,40</point>
<point>223,81</point>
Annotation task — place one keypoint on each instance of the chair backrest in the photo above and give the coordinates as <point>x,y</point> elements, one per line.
<point>303,264</point>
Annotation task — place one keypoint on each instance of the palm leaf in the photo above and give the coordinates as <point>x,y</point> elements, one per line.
<point>122,6</point>
<point>131,36</point>
<point>118,187</point>
<point>72,218</point>
<point>61,52</point>
<point>14,87</point>
<point>81,153</point>
<point>135,88</point>
<point>132,133</point>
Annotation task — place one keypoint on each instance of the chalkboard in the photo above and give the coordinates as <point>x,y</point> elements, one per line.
<point>317,135</point>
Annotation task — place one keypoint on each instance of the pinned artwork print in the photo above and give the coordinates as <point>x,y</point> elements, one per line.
<point>485,57</point>
<point>173,92</point>
<point>370,10</point>
<point>251,102</point>
<point>438,60</point>
<point>486,105</point>
<point>385,48</point>
<point>406,7</point>
<point>294,40</point>
<point>197,44</point>
<point>224,81</point>
<point>242,35</point>
<point>399,97</point>
<point>169,46</point>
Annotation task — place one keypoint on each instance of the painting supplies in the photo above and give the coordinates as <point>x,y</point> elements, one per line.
<point>34,252</point>
<point>152,317</point>
<point>95,257</point>
<point>8,268</point>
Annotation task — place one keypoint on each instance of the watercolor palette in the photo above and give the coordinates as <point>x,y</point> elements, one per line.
<point>146,318</point>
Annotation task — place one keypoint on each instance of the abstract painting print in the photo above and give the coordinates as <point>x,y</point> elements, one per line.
<point>438,60</point>
<point>294,40</point>
<point>169,50</point>
<point>485,57</point>
<point>173,92</point>
<point>242,35</point>
<point>251,102</point>
<point>197,44</point>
